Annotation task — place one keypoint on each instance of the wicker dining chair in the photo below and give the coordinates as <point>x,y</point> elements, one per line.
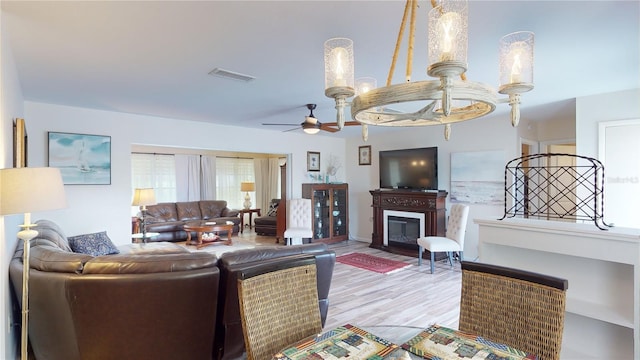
<point>521,309</point>
<point>278,306</point>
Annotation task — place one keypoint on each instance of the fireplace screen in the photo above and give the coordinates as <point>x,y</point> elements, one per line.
<point>403,231</point>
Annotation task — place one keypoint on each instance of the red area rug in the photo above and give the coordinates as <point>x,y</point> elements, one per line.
<point>371,263</point>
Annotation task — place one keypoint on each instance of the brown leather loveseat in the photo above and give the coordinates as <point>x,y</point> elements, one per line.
<point>150,301</point>
<point>169,218</point>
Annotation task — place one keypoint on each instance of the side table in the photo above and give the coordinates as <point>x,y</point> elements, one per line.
<point>139,237</point>
<point>241,213</point>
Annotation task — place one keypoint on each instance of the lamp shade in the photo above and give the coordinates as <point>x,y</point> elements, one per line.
<point>144,197</point>
<point>247,186</point>
<point>26,190</point>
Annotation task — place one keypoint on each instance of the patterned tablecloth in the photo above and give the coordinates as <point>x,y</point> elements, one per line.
<point>434,343</point>
<point>437,342</point>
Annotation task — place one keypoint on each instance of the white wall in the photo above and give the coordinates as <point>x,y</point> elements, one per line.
<point>490,133</point>
<point>107,207</point>
<point>11,106</point>
<point>590,112</point>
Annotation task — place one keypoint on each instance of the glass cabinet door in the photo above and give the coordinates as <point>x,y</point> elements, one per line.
<point>321,210</point>
<point>339,212</point>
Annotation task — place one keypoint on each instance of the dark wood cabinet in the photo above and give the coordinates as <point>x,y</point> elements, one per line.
<point>330,211</point>
<point>431,204</point>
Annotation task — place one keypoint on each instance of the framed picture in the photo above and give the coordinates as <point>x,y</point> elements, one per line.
<point>364,155</point>
<point>19,143</point>
<point>313,161</point>
<point>82,159</point>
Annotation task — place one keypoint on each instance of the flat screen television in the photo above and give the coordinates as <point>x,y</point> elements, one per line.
<point>412,169</point>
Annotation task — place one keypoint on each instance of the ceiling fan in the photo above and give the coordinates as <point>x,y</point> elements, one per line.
<point>311,125</point>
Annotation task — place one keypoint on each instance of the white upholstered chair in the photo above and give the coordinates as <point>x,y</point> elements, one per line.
<point>299,221</point>
<point>454,239</point>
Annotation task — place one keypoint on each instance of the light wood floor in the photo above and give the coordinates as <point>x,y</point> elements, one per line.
<point>409,297</point>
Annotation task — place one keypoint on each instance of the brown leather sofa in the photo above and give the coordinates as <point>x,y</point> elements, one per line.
<point>151,301</point>
<point>169,218</point>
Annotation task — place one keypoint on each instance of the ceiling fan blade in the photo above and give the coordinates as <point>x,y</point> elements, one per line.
<point>333,126</point>
<point>346,123</point>
<point>328,128</point>
<point>294,129</point>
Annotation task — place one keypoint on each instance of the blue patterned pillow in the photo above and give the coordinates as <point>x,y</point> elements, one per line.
<point>95,244</point>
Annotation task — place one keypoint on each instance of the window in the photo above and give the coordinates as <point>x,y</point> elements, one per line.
<point>230,172</point>
<point>154,171</point>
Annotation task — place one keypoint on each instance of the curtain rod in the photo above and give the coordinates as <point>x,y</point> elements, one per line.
<point>234,157</point>
<point>148,153</point>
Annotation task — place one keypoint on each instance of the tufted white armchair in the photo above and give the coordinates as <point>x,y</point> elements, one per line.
<point>454,239</point>
<point>299,221</point>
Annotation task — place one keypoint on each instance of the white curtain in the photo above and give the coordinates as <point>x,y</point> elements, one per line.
<point>230,172</point>
<point>188,177</point>
<point>208,180</point>
<point>267,180</point>
<point>155,171</point>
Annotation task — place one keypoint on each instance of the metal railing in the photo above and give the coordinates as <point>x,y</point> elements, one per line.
<point>544,187</point>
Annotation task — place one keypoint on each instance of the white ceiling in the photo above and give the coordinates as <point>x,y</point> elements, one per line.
<point>153,57</point>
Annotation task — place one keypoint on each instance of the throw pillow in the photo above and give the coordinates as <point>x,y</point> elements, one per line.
<point>273,209</point>
<point>95,244</point>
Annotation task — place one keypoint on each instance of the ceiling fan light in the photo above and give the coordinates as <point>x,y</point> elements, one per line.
<point>311,130</point>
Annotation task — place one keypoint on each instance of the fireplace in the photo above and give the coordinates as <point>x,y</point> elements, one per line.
<point>402,228</point>
<point>406,208</point>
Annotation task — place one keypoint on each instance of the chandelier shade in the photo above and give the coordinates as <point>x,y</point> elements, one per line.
<point>448,28</point>
<point>516,60</point>
<point>338,74</point>
<point>447,99</point>
<point>365,84</point>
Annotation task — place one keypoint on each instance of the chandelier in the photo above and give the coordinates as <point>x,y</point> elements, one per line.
<point>451,98</point>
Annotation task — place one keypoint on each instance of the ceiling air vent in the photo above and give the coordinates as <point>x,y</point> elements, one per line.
<point>230,75</point>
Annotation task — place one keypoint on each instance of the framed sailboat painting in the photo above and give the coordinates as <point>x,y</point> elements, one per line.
<point>82,159</point>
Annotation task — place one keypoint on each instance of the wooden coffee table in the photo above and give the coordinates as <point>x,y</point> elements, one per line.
<point>206,228</point>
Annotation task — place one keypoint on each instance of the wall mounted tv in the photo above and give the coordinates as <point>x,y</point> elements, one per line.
<point>413,169</point>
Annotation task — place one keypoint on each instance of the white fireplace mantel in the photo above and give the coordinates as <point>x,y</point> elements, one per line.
<point>602,267</point>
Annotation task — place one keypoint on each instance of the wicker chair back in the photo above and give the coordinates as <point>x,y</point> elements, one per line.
<point>521,309</point>
<point>278,306</point>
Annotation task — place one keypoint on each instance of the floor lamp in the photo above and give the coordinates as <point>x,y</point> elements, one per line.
<point>142,198</point>
<point>26,190</point>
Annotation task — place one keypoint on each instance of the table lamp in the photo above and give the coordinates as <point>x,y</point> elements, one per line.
<point>143,197</point>
<point>25,190</point>
<point>247,186</point>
